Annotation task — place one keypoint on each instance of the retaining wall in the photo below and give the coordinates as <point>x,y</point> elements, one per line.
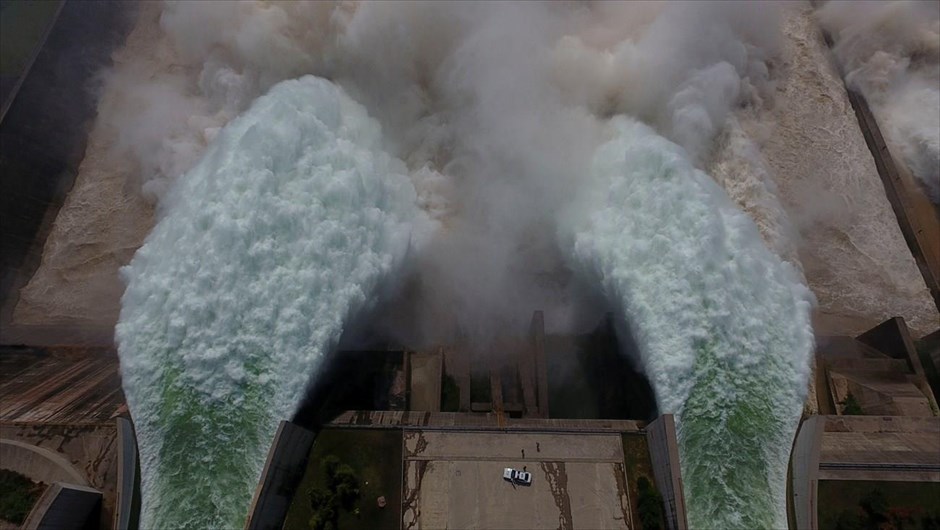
<point>664,453</point>
<point>283,470</point>
<point>65,507</point>
<point>804,461</point>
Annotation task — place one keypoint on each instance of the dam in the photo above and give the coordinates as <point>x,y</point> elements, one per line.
<point>378,323</point>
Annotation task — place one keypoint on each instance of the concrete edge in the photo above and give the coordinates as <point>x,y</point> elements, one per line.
<point>804,460</point>
<point>63,506</point>
<point>75,476</point>
<point>283,470</point>
<point>663,445</point>
<point>125,514</point>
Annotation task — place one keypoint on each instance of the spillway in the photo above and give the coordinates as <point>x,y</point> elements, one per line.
<point>263,249</point>
<point>722,325</point>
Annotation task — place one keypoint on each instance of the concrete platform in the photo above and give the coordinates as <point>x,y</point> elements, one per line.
<point>454,480</point>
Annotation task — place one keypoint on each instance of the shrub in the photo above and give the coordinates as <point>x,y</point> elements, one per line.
<point>342,492</point>
<point>850,406</point>
<point>649,505</point>
<point>17,496</point>
<point>345,485</point>
<point>330,464</point>
<point>324,509</point>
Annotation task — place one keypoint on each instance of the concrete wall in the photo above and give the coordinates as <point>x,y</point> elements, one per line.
<point>664,453</point>
<point>804,462</point>
<point>65,507</point>
<point>127,505</point>
<point>282,472</point>
<point>892,338</point>
<point>928,349</point>
<point>40,465</point>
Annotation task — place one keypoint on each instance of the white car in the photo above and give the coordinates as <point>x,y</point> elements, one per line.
<point>523,478</point>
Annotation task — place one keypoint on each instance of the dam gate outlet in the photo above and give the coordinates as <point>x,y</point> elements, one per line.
<point>558,376</point>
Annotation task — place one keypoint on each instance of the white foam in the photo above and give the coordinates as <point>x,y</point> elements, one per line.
<point>722,325</point>
<point>283,229</point>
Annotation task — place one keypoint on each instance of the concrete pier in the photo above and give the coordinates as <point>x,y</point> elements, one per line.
<point>664,451</point>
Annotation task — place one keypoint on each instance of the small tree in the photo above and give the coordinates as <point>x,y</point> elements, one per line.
<point>346,485</point>
<point>342,492</point>
<point>850,406</point>
<point>325,511</point>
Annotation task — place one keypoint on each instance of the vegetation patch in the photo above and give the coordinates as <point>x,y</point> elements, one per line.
<point>646,502</point>
<point>850,406</point>
<point>649,505</point>
<point>348,471</point>
<point>18,494</point>
<point>341,494</point>
<point>860,505</point>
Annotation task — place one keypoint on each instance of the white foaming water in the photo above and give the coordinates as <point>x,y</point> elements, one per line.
<point>264,248</point>
<point>722,324</point>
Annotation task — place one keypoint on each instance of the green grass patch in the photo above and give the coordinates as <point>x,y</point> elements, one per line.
<point>856,505</point>
<point>375,457</point>
<point>17,495</point>
<point>638,465</point>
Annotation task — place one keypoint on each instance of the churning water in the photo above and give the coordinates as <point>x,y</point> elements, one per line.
<point>294,217</point>
<point>263,249</point>
<point>722,325</point>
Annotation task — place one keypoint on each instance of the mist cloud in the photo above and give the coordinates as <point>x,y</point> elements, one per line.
<point>496,109</point>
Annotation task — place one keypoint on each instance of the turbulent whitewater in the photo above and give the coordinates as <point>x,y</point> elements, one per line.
<point>722,325</point>
<point>283,229</point>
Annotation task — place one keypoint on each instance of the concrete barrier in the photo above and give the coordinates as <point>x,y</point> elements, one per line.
<point>892,338</point>
<point>804,465</point>
<point>127,504</point>
<point>65,507</point>
<point>283,470</point>
<point>664,453</point>
<point>39,464</point>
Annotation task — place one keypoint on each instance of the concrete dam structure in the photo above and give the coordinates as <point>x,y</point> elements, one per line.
<point>245,245</point>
